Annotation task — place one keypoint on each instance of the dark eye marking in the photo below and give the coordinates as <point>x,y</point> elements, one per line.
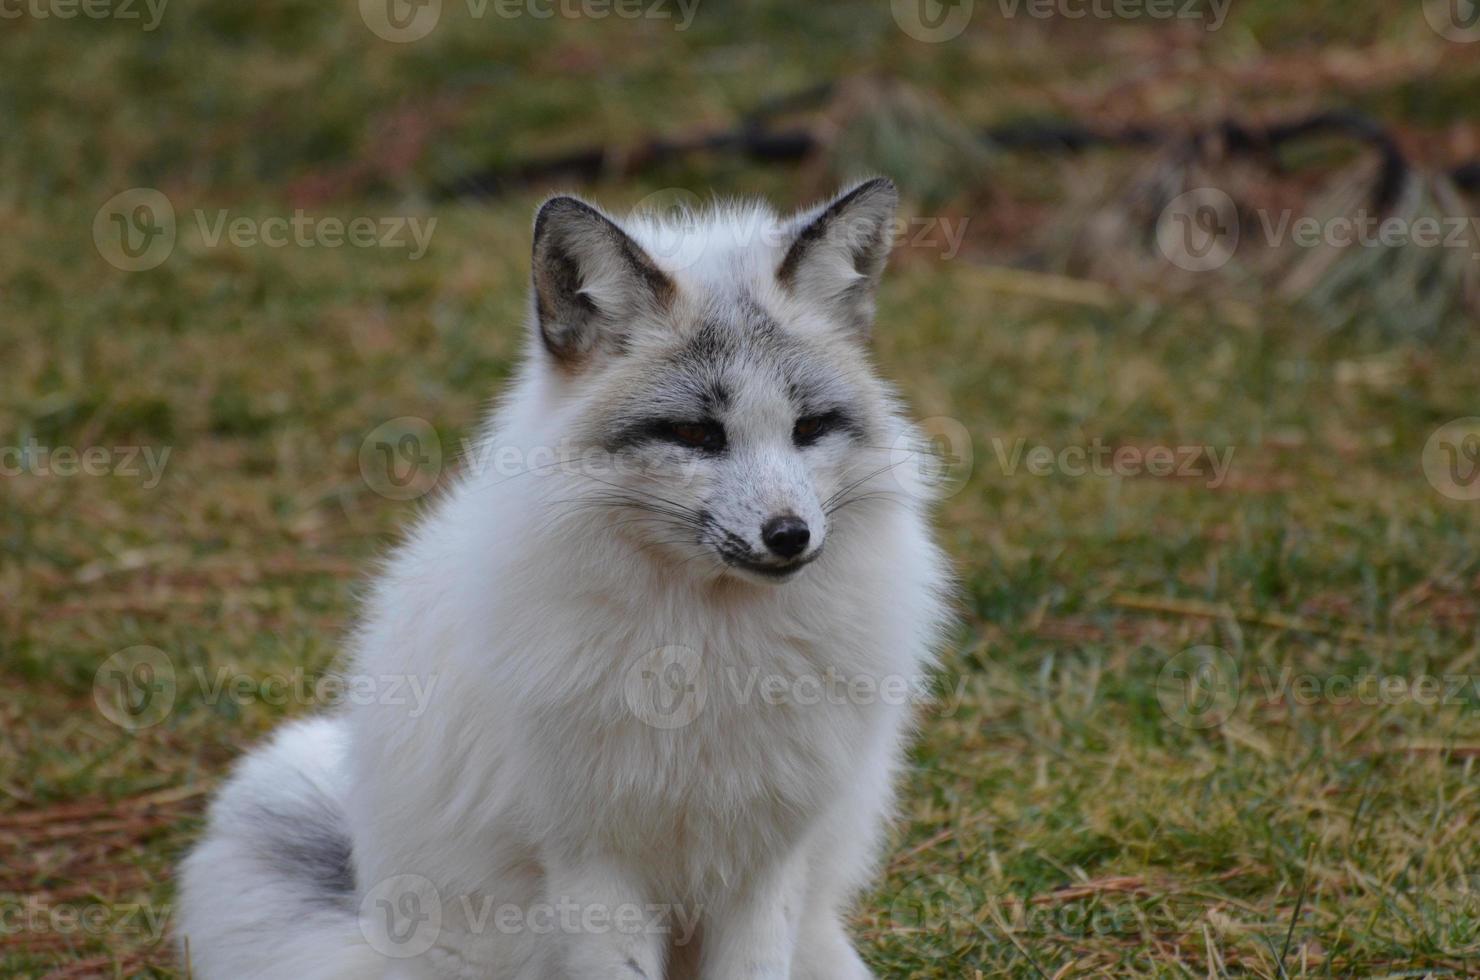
<point>810,428</point>
<point>706,435</point>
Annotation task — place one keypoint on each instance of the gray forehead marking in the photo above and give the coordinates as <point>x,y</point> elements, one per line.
<point>757,317</point>
<point>740,334</point>
<point>735,344</point>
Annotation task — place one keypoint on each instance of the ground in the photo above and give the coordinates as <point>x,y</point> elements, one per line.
<point>1197,723</point>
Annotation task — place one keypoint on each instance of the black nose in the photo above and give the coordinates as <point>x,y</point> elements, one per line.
<point>786,535</point>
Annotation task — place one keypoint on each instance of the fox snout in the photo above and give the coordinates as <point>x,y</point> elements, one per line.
<point>767,520</point>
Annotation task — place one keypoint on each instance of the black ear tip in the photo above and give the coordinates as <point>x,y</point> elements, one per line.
<point>559,206</point>
<point>882,186</point>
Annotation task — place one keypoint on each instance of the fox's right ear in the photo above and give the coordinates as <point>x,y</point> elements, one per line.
<point>590,281</point>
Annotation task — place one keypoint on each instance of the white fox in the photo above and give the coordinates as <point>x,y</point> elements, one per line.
<point>666,662</point>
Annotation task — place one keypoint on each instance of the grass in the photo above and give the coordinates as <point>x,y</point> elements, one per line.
<point>1068,811</point>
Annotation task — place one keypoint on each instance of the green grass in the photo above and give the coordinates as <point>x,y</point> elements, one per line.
<point>1058,820</point>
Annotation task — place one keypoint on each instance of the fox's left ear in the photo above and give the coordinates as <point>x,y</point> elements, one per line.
<point>839,251</point>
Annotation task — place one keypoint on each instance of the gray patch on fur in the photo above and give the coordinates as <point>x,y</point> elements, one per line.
<point>308,846</point>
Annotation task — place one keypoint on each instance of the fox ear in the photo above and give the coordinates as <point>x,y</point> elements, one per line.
<point>839,251</point>
<point>590,281</point>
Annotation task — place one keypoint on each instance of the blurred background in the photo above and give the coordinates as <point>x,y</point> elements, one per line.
<point>1186,292</point>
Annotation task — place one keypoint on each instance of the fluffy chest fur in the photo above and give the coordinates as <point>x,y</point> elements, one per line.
<point>696,730</point>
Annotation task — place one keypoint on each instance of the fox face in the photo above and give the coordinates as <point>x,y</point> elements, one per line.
<point>724,375</point>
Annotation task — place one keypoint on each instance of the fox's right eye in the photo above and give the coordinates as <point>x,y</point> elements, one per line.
<point>708,436</point>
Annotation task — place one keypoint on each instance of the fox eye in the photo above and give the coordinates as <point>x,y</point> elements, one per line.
<point>811,428</point>
<point>708,436</point>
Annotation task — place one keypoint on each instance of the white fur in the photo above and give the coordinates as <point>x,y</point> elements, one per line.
<point>533,776</point>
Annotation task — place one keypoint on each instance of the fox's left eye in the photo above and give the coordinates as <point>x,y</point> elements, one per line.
<point>811,428</point>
